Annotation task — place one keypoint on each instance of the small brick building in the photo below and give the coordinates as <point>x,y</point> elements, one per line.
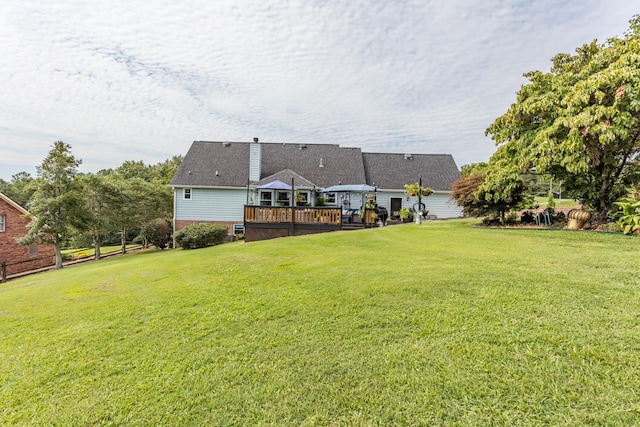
<point>19,258</point>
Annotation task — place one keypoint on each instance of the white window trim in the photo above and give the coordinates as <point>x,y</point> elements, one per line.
<point>184,194</point>
<point>286,200</point>
<point>3,223</point>
<point>260,199</point>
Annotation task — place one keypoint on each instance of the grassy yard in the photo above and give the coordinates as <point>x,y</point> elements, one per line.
<point>90,252</point>
<point>432,324</point>
<point>560,203</point>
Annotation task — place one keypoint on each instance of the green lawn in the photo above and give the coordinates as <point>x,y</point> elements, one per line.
<point>560,203</point>
<point>90,252</point>
<point>432,324</point>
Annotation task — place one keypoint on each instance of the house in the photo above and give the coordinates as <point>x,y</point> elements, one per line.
<point>19,258</point>
<point>216,180</point>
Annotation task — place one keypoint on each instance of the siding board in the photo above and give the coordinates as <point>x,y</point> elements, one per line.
<point>211,205</point>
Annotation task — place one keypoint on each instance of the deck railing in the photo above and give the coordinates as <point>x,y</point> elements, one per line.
<point>300,214</point>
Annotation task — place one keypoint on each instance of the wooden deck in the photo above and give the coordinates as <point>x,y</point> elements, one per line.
<point>268,222</point>
<point>287,214</point>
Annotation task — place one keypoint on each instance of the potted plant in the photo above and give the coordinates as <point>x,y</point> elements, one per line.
<point>416,189</point>
<point>406,215</point>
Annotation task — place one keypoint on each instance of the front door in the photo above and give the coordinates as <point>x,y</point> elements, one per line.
<point>396,206</point>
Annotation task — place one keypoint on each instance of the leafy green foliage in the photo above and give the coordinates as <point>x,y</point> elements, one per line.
<point>200,235</point>
<point>551,201</point>
<point>469,193</point>
<point>20,189</point>
<point>415,189</point>
<point>629,211</point>
<point>160,173</point>
<point>56,206</point>
<point>579,123</point>
<point>102,198</point>
<point>157,232</point>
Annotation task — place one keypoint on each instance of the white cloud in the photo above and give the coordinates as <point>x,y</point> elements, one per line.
<point>124,80</point>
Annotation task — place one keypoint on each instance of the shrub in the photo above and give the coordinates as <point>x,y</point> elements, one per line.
<point>558,217</point>
<point>551,202</point>
<point>511,218</point>
<point>201,235</point>
<point>527,217</point>
<point>157,232</point>
<point>629,211</point>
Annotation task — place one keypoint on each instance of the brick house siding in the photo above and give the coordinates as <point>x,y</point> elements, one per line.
<point>20,258</point>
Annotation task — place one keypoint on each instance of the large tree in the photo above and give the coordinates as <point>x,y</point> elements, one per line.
<point>468,193</point>
<point>56,206</point>
<point>141,201</point>
<point>579,123</point>
<point>103,199</point>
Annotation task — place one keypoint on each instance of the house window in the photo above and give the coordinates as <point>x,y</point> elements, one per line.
<point>33,251</point>
<point>330,198</point>
<point>238,229</point>
<point>265,198</point>
<point>283,198</point>
<point>2,222</point>
<point>302,198</point>
<point>187,194</point>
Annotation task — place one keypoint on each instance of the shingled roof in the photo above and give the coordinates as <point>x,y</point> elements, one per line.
<point>214,164</point>
<point>286,176</point>
<point>226,164</point>
<point>392,171</point>
<point>322,164</point>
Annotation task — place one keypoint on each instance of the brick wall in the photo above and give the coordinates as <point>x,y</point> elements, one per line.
<point>19,258</point>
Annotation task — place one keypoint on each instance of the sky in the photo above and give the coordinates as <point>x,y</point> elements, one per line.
<point>123,80</point>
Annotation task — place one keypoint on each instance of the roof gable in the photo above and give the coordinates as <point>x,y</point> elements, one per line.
<point>392,171</point>
<point>13,204</point>
<point>286,176</point>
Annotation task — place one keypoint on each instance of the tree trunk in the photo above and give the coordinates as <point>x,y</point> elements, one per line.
<point>96,244</point>
<point>603,208</point>
<point>123,240</point>
<point>58,255</point>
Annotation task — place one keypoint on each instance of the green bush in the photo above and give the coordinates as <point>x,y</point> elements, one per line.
<point>511,218</point>
<point>201,235</point>
<point>157,232</point>
<point>629,211</point>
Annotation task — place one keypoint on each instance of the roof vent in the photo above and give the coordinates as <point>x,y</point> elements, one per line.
<point>408,156</point>
<point>226,144</point>
<point>302,146</point>
<point>321,164</point>
<point>255,139</point>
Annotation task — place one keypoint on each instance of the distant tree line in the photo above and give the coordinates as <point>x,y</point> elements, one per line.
<point>112,206</point>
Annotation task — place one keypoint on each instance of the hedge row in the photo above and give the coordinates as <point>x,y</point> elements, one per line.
<point>201,235</point>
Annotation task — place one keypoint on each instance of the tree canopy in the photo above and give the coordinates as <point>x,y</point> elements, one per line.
<point>56,205</point>
<point>66,206</point>
<point>579,123</point>
<point>468,193</point>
